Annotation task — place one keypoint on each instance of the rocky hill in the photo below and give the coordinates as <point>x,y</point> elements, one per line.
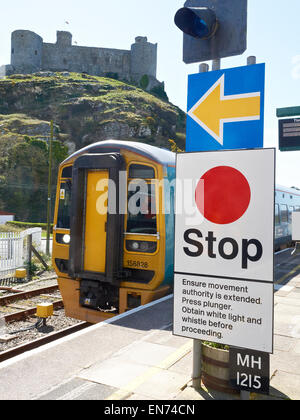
<point>85,109</point>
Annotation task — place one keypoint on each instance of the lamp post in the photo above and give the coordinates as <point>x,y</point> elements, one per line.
<point>49,189</point>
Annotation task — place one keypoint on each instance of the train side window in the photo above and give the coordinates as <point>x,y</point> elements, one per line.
<point>277,215</point>
<point>284,213</point>
<point>291,209</point>
<point>67,172</point>
<point>297,208</point>
<point>64,208</point>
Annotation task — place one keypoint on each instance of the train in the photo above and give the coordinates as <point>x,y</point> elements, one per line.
<point>287,201</point>
<point>114,228</point>
<point>113,235</point>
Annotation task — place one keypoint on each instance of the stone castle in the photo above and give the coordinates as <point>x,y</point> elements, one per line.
<point>30,54</point>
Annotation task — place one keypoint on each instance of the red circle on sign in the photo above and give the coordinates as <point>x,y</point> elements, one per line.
<point>223,195</point>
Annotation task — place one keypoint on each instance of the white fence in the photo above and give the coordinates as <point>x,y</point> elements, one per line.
<point>14,251</point>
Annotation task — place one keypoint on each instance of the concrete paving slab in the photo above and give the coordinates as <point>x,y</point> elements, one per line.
<point>285,385</point>
<point>166,338</point>
<point>144,353</point>
<point>184,365</point>
<point>283,343</point>
<point>163,385</point>
<point>283,288</point>
<point>294,294</point>
<point>286,318</point>
<point>117,375</point>
<point>288,362</point>
<point>287,300</point>
<point>297,347</point>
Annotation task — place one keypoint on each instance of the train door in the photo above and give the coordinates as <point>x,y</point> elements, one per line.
<point>96,232</point>
<point>96,221</point>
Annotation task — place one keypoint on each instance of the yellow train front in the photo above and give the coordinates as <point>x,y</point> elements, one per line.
<point>113,234</point>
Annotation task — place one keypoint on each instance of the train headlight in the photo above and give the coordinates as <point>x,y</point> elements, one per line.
<point>63,238</point>
<point>141,246</point>
<point>66,239</point>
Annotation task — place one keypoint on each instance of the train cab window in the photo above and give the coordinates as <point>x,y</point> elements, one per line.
<point>141,218</point>
<point>277,215</point>
<point>284,213</point>
<point>63,217</point>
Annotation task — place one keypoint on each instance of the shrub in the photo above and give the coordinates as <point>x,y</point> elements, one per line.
<point>159,91</point>
<point>144,82</point>
<point>112,75</point>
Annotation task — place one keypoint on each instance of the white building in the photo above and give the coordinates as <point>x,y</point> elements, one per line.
<point>6,217</point>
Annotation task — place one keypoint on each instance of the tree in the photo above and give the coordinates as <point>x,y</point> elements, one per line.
<point>24,178</point>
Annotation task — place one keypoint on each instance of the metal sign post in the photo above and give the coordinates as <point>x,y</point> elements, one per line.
<point>219,263</point>
<point>185,276</point>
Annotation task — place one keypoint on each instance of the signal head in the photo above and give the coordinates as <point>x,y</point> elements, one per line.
<point>198,22</point>
<point>212,29</point>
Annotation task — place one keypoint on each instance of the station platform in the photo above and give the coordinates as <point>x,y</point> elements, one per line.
<point>135,356</point>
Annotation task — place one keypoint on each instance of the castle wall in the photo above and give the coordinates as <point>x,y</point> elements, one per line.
<point>94,61</point>
<point>30,54</point>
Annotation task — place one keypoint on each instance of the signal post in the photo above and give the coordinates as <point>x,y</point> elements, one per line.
<point>224,244</point>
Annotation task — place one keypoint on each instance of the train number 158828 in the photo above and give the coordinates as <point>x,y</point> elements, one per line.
<point>137,264</point>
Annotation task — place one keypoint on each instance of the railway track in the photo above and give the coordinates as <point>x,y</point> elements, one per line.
<point>8,303</point>
<point>15,319</point>
<point>16,351</point>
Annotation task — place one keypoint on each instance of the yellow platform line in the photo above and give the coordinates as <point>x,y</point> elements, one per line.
<point>128,389</point>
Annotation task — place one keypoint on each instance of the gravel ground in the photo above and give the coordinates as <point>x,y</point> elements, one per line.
<point>46,279</point>
<point>55,323</point>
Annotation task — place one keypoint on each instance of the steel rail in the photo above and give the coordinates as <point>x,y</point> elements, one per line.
<point>6,300</point>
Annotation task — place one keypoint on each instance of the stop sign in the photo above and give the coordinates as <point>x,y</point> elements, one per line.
<point>231,213</point>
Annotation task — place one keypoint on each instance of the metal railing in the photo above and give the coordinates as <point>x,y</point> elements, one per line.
<point>14,252</point>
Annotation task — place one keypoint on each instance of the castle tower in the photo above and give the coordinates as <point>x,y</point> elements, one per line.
<point>26,51</point>
<point>63,39</point>
<point>143,58</point>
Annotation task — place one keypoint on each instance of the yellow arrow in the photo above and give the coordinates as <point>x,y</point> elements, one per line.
<point>214,109</point>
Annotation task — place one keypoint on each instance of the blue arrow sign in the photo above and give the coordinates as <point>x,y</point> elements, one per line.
<point>226,109</point>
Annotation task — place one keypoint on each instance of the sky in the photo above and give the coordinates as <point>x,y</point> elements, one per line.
<point>273,37</point>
